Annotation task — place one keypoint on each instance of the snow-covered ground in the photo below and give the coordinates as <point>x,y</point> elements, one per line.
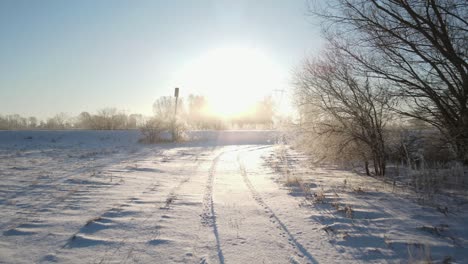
<point>228,197</point>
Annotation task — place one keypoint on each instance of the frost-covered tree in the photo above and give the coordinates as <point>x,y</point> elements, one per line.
<point>343,109</point>
<point>419,48</point>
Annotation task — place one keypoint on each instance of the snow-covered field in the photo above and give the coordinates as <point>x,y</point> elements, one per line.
<point>228,197</point>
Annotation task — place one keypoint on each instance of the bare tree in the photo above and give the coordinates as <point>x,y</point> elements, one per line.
<point>341,104</point>
<point>109,119</point>
<point>32,122</point>
<point>85,121</point>
<point>14,121</point>
<point>419,47</point>
<point>58,121</point>
<point>164,107</point>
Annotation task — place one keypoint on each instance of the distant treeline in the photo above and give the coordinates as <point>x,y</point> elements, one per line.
<point>191,113</point>
<point>105,119</point>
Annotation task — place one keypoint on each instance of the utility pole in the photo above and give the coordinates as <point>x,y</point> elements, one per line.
<point>174,132</point>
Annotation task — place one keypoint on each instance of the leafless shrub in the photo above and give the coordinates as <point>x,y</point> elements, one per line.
<point>156,130</point>
<point>358,190</point>
<point>297,181</point>
<point>306,190</point>
<point>319,196</point>
<point>293,181</point>
<point>348,210</point>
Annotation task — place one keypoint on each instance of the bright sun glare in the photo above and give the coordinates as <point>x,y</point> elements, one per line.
<point>232,78</point>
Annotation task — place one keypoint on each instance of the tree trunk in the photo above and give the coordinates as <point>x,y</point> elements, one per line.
<point>383,167</point>
<point>376,166</point>
<point>379,163</point>
<point>366,165</point>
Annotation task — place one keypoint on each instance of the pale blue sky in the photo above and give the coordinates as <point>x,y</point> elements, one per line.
<point>73,56</point>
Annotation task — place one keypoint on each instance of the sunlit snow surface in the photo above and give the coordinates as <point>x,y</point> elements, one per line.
<point>102,197</point>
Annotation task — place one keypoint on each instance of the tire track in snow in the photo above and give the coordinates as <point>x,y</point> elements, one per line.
<point>208,216</point>
<point>280,224</point>
<point>164,205</point>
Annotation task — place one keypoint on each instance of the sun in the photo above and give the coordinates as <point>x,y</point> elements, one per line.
<point>232,78</point>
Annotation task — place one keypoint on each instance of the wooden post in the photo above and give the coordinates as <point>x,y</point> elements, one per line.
<point>174,132</point>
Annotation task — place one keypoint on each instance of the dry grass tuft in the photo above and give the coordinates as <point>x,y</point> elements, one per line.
<point>319,196</point>
<point>419,254</point>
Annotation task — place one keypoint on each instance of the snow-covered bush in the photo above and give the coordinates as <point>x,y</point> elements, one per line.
<point>159,130</point>
<point>156,130</point>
